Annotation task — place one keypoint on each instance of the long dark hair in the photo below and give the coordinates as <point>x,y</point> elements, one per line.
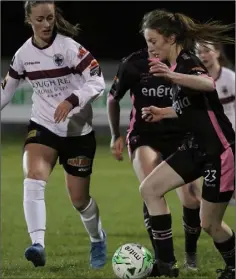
<point>62,25</point>
<point>187,31</point>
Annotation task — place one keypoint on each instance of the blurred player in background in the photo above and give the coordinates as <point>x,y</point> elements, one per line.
<point>150,143</point>
<point>219,67</point>
<point>65,79</point>
<point>214,59</point>
<point>209,150</point>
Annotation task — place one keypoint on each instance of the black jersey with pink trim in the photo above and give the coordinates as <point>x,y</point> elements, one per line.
<point>145,90</point>
<point>201,112</point>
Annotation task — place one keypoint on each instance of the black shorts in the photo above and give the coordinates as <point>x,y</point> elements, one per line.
<point>76,154</point>
<point>165,145</point>
<point>218,171</point>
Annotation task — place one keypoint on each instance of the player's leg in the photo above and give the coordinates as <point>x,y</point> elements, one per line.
<point>218,189</point>
<point>190,196</point>
<point>177,170</point>
<point>38,162</point>
<point>77,160</point>
<point>144,160</point>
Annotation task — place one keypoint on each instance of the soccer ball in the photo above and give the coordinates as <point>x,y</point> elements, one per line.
<point>132,261</point>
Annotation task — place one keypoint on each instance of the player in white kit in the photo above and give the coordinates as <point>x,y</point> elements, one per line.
<point>65,79</point>
<point>218,66</point>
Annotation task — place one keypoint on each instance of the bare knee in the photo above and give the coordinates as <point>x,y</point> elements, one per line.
<point>78,188</point>
<point>36,174</point>
<point>187,197</point>
<point>210,226</point>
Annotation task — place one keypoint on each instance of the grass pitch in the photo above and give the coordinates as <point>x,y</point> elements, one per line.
<point>115,188</point>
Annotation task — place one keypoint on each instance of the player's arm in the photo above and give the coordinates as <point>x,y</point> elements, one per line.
<point>155,114</point>
<point>85,65</point>
<point>196,81</point>
<point>195,78</point>
<point>118,89</point>
<point>11,81</point>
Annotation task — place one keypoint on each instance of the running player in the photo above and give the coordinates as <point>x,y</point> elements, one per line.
<point>65,79</point>
<point>218,66</point>
<point>209,153</point>
<point>149,143</point>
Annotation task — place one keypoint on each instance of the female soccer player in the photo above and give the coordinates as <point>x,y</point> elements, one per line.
<point>208,153</point>
<point>219,67</point>
<point>214,59</point>
<point>65,79</point>
<point>149,143</point>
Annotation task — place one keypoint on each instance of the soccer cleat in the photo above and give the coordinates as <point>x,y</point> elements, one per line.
<point>164,269</point>
<point>36,254</point>
<point>190,261</point>
<point>227,273</point>
<point>98,253</point>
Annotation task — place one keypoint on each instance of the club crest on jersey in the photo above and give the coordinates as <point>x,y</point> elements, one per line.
<point>95,69</point>
<point>58,59</point>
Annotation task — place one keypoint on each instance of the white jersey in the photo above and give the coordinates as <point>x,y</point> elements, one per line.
<point>62,69</point>
<point>225,86</point>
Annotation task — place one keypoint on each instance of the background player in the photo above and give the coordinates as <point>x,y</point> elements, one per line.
<point>149,143</point>
<point>65,79</point>
<point>214,59</point>
<point>208,153</point>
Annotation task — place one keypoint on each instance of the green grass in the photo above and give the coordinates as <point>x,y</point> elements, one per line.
<point>115,188</point>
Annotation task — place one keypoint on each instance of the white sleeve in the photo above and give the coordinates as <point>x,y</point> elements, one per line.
<point>232,83</point>
<point>11,81</point>
<point>85,65</point>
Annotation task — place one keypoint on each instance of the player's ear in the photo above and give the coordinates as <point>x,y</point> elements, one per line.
<point>172,39</point>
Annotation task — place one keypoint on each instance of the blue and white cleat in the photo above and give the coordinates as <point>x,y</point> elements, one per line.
<point>36,254</point>
<point>98,253</point>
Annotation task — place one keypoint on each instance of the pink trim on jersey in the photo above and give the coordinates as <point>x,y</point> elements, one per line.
<point>131,125</point>
<point>227,171</point>
<point>227,158</point>
<point>110,96</point>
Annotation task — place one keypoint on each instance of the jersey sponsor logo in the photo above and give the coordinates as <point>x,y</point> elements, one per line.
<point>160,92</point>
<point>180,104</point>
<point>31,63</point>
<point>51,86</point>
<point>80,162</point>
<point>82,52</point>
<point>58,59</point>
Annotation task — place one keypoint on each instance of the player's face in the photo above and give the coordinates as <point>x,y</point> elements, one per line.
<point>42,20</point>
<point>158,45</point>
<point>208,55</point>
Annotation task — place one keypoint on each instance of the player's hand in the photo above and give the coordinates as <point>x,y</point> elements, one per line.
<point>62,111</point>
<point>117,147</point>
<point>152,114</point>
<point>159,69</point>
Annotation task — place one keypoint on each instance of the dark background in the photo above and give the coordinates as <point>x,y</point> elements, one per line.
<point>110,30</point>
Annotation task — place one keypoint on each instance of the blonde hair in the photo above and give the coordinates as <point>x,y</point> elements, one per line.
<point>63,26</point>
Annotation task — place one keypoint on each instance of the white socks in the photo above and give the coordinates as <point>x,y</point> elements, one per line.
<point>34,209</point>
<point>90,218</point>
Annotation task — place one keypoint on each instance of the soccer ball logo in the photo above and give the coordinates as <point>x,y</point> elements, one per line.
<point>132,261</point>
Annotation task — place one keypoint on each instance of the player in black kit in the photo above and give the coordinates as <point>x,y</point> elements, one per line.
<point>150,143</point>
<point>207,152</point>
